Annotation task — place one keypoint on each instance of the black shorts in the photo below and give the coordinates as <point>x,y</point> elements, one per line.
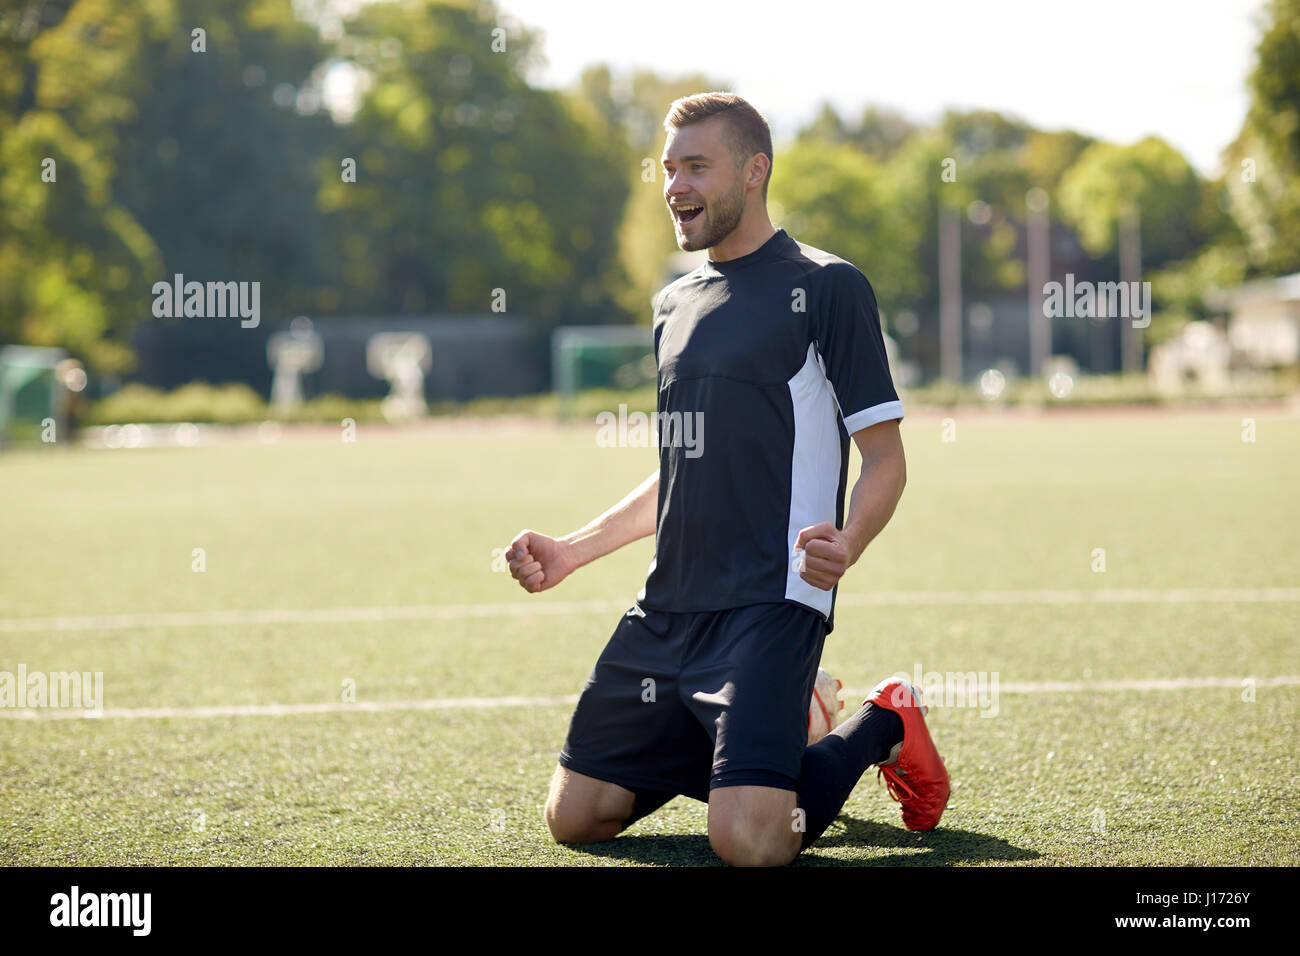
<point>685,702</point>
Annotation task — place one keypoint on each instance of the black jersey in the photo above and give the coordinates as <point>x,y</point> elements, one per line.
<point>766,364</point>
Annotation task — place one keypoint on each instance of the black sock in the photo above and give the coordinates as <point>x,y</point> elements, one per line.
<point>833,766</point>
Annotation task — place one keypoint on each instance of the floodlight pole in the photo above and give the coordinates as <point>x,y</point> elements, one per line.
<point>562,379</point>
<point>950,344</point>
<point>1130,273</point>
<point>1039,254</point>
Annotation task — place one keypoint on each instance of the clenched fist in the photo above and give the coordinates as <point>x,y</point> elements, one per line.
<point>826,555</point>
<point>538,561</point>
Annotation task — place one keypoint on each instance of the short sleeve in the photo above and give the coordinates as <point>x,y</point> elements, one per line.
<point>852,348</point>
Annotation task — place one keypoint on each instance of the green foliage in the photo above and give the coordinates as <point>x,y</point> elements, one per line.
<point>1186,289</point>
<point>224,165</point>
<point>836,198</point>
<point>1178,209</point>
<point>168,160</point>
<point>74,261</point>
<point>879,132</point>
<point>1263,175</point>
<point>883,215</point>
<point>914,174</point>
<point>1275,83</point>
<point>332,408</point>
<point>195,402</point>
<point>978,132</point>
<point>217,159</point>
<point>468,180</point>
<point>231,404</point>
<point>1049,155</point>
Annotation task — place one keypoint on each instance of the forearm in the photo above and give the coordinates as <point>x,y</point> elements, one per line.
<point>631,519</point>
<point>875,496</point>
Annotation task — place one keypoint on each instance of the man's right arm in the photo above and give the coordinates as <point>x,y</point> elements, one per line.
<point>538,561</point>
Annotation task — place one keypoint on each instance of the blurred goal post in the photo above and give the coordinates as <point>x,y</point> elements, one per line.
<point>36,389</point>
<point>599,356</point>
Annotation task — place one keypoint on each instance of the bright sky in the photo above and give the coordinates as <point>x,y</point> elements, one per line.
<point>1117,69</point>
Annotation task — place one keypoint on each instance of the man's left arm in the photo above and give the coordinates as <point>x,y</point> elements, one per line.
<point>829,551</point>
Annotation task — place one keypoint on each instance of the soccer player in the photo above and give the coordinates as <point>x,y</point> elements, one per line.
<point>770,355</point>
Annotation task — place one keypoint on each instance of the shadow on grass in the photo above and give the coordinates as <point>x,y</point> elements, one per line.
<point>942,847</point>
<point>655,850</point>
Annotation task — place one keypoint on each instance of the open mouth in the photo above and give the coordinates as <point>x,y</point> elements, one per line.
<point>687,211</point>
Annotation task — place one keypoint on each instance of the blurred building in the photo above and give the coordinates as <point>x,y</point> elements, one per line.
<point>1264,321</point>
<point>1198,354</point>
<point>472,356</point>
<point>995,334</point>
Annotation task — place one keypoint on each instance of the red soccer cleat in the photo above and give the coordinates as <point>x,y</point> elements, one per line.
<point>915,776</point>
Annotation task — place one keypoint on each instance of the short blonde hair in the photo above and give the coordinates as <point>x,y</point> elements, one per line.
<point>749,132</point>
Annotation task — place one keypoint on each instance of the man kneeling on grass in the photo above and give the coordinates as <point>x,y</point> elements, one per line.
<point>777,347</point>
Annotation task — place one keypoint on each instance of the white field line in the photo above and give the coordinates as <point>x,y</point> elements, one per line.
<point>459,703</point>
<point>456,612</point>
<point>329,615</point>
<point>1136,685</point>
<point>287,710</point>
<point>1079,596</point>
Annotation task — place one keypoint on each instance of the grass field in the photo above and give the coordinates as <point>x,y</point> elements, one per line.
<point>401,529</point>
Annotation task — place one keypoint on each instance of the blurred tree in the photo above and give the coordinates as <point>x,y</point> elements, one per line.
<point>826,127</point>
<point>879,131</point>
<point>976,132</point>
<point>170,159</point>
<point>217,157</point>
<point>468,180</point>
<point>838,199</point>
<point>1047,156</point>
<point>1181,218</point>
<point>75,265</point>
<point>992,259</point>
<point>1179,210</point>
<point>985,155</point>
<point>1263,164</point>
<point>926,175</point>
<point>1183,288</point>
<point>218,162</point>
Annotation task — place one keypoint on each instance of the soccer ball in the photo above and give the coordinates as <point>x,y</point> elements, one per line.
<point>824,710</point>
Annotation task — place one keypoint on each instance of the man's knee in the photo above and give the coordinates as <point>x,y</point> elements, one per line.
<point>741,845</point>
<point>571,824</point>
<point>754,826</point>
<point>581,809</point>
